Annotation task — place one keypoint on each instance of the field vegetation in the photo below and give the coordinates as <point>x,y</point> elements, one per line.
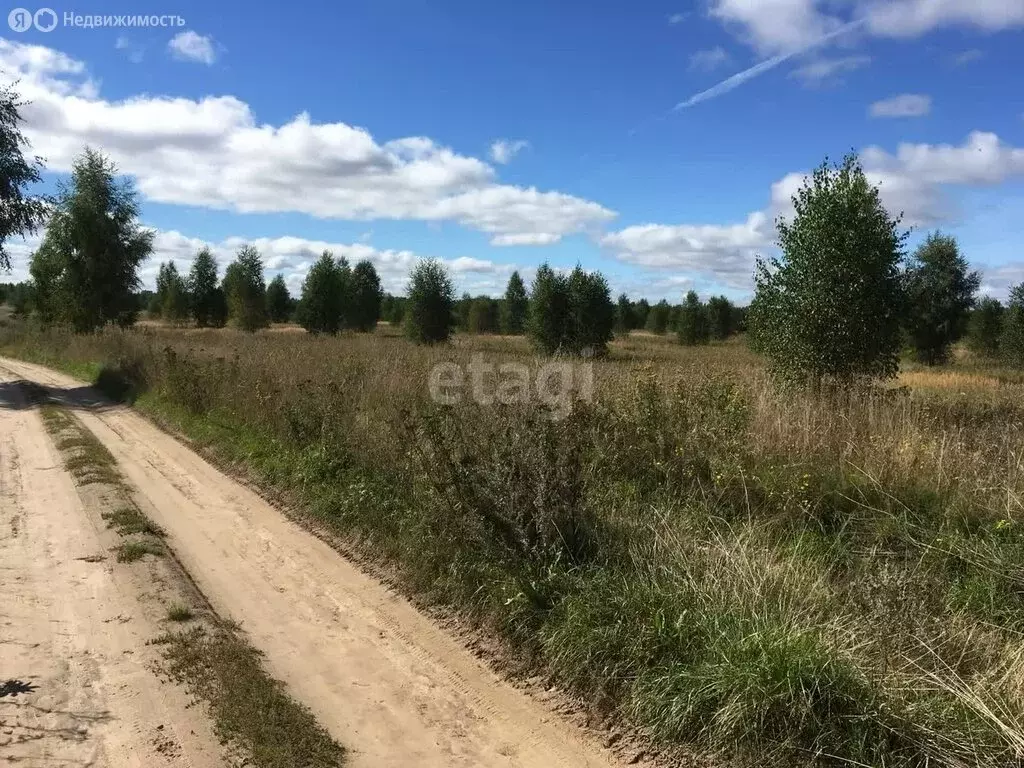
<point>771,575</point>
<point>805,549</point>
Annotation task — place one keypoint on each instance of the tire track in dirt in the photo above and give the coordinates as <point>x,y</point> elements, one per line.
<point>76,687</point>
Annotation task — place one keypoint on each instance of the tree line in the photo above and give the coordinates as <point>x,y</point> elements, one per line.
<point>841,301</point>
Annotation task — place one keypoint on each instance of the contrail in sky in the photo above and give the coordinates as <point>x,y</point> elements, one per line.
<point>740,78</point>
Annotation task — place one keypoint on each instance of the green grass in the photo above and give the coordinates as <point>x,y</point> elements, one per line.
<point>250,709</point>
<point>128,520</point>
<point>179,612</point>
<point>131,551</point>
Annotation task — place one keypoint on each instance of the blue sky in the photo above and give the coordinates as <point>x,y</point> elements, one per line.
<point>498,137</point>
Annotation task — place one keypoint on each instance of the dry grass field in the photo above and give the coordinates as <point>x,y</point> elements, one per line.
<point>748,574</point>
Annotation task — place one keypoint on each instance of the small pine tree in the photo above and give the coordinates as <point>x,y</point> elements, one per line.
<point>365,297</point>
<point>320,307</point>
<point>721,317</point>
<point>246,291</point>
<point>171,298</point>
<point>625,317</point>
<point>985,327</point>
<point>202,288</point>
<point>1011,342</point>
<point>693,327</point>
<point>516,307</point>
<point>940,294</point>
<point>591,314</point>
<point>658,318</point>
<point>641,312</point>
<point>279,301</point>
<point>549,310</point>
<point>431,300</point>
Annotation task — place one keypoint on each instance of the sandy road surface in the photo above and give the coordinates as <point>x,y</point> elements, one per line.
<point>79,689</point>
<point>391,686</point>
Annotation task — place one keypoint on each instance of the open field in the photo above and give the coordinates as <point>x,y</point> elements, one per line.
<point>743,574</point>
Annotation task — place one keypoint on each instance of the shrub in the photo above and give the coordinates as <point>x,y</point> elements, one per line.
<point>516,306</point>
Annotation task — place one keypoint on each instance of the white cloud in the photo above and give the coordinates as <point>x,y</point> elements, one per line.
<point>774,27</point>
<point>293,256</point>
<point>725,252</point>
<point>913,180</point>
<point>678,18</point>
<point>213,153</point>
<point>503,150</point>
<point>133,51</point>
<point>967,57</point>
<point>820,70</point>
<point>903,105</point>
<point>710,59</point>
<point>191,46</point>
<point>911,18</point>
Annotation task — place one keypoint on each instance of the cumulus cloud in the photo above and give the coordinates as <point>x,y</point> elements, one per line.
<point>214,153</point>
<point>821,70</point>
<point>290,256</point>
<point>912,180</point>
<point>503,150</point>
<point>710,59</point>
<point>903,105</point>
<point>774,27</point>
<point>191,46</point>
<point>724,252</point>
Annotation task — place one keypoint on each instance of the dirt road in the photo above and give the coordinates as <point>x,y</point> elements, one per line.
<point>77,687</point>
<point>391,686</point>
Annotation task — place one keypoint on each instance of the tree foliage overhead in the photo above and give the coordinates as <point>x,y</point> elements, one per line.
<point>940,294</point>
<point>20,213</point>
<point>89,258</point>
<point>279,301</point>
<point>429,310</point>
<point>515,308</point>
<point>246,291</point>
<point>830,307</point>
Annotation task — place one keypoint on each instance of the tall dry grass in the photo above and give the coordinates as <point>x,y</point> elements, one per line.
<point>766,576</point>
